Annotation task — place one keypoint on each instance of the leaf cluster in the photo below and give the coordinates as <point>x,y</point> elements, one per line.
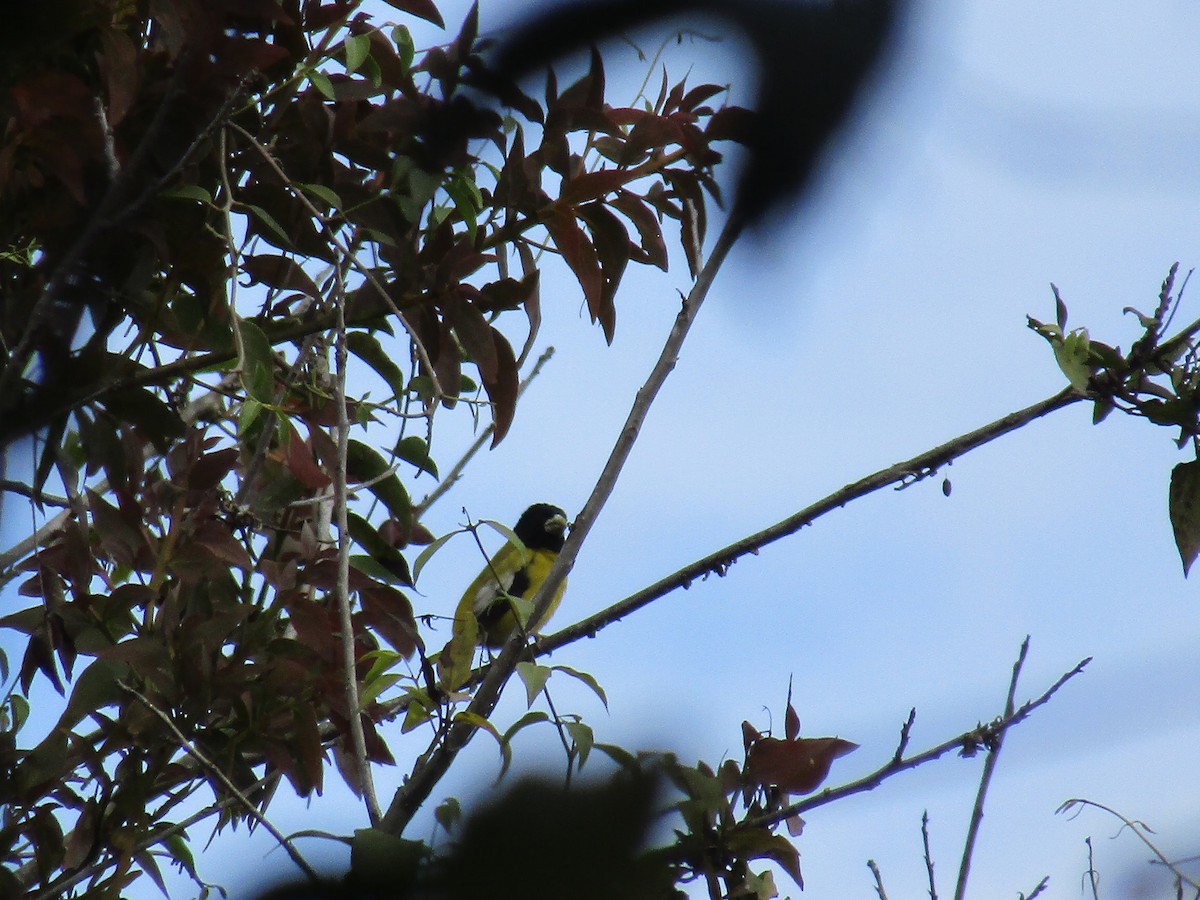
<point>202,205</point>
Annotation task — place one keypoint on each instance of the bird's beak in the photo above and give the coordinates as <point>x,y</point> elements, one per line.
<point>557,524</point>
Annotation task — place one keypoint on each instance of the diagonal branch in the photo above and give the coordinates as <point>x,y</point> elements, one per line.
<point>920,466</point>
<point>430,769</point>
<point>985,779</point>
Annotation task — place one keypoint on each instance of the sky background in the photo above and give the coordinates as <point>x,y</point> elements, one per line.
<point>1013,145</point>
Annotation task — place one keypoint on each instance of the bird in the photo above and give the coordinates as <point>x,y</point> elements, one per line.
<point>516,573</point>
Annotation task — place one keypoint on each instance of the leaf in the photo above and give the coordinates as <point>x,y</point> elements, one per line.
<point>534,678</point>
<point>422,9</point>
<point>141,407</point>
<point>390,614</point>
<point>272,225</point>
<point>366,347</point>
<point>427,554</point>
<point>258,363</point>
<point>322,193</point>
<point>796,766</point>
<point>581,257</point>
<point>1072,355</point>
<point>322,83</point>
<point>280,272</point>
<point>612,244</point>
<point>187,192</point>
<point>413,449</point>
<point>358,51</point>
<point>587,679</point>
<point>593,185</point>
<point>584,738</point>
<point>502,389</point>
<point>653,247</point>
<point>365,466</point>
<point>405,49</point>
<point>391,559</point>
<point>1184,507</point>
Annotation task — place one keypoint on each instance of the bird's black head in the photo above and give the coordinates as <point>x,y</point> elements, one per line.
<point>542,527</point>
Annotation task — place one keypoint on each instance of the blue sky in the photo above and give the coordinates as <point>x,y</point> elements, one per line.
<point>1016,144</point>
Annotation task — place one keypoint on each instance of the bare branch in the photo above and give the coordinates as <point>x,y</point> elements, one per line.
<point>985,779</point>
<point>349,655</point>
<point>921,466</point>
<point>928,854</point>
<point>967,742</point>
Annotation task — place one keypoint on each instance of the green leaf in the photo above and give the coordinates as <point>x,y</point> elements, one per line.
<point>271,225</point>
<point>405,48</point>
<point>322,193</point>
<point>448,813</point>
<point>584,738</point>
<point>530,718</point>
<point>425,555</point>
<point>358,50</point>
<point>365,465</point>
<point>1073,356</point>
<point>1184,506</point>
<point>395,566</point>
<point>258,363</point>
<point>586,679</point>
<point>187,192</point>
<point>413,449</point>
<point>143,408</point>
<point>372,689</point>
<point>534,678</point>
<point>366,347</point>
<point>467,200</point>
<point>470,718</point>
<point>322,83</point>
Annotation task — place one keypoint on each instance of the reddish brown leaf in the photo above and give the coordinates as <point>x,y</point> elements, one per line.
<point>210,468</point>
<point>389,613</point>
<point>279,272</point>
<point>698,95</point>
<point>612,244</point>
<point>215,538</point>
<point>791,726</point>
<point>502,390</point>
<point>476,337</point>
<point>591,185</point>
<point>300,462</point>
<point>733,123</point>
<point>795,766</point>
<point>581,256</point>
<point>653,247</point>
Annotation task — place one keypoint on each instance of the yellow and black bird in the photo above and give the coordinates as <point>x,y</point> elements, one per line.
<point>516,574</point>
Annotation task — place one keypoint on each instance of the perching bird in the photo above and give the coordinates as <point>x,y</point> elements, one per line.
<point>513,573</point>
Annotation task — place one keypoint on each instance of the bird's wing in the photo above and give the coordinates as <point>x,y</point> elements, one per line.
<point>495,579</point>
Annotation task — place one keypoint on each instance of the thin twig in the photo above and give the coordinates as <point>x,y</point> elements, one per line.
<point>928,855</point>
<point>429,771</point>
<point>1138,828</point>
<point>1037,891</point>
<point>963,742</point>
<point>878,879</point>
<point>349,656</point>
<point>985,779</point>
